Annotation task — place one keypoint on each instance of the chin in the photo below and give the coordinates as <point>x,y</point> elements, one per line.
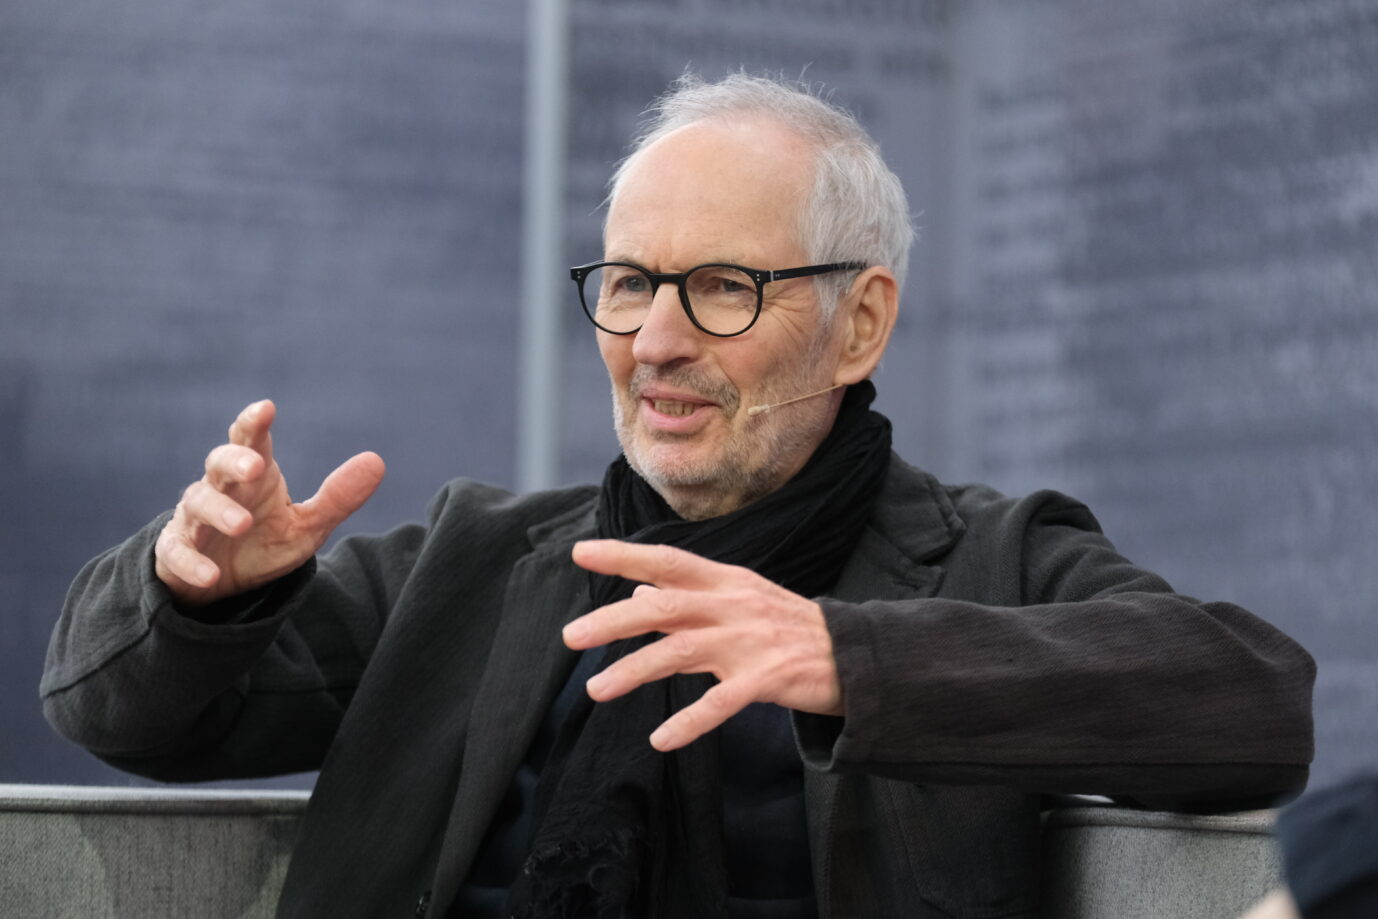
<point>699,487</point>
<point>701,476</point>
<point>692,485</point>
<point>672,466</point>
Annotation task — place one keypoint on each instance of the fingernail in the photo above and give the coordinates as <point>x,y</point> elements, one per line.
<point>204,573</point>
<point>244,465</point>
<point>596,684</point>
<point>576,632</point>
<point>660,737</point>
<point>232,518</point>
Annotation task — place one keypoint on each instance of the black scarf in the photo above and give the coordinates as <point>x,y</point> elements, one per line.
<point>622,829</point>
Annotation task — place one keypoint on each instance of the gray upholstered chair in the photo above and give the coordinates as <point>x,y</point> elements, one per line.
<point>148,853</point>
<point>143,853</point>
<point>1115,863</point>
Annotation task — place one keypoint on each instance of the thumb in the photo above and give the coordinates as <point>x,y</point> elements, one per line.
<point>344,491</point>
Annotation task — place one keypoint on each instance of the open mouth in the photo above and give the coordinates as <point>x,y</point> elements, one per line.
<point>673,407</point>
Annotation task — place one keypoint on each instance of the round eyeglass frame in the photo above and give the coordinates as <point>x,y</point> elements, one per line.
<point>760,276</point>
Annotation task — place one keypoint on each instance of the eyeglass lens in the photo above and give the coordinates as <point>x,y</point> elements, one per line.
<point>722,299</point>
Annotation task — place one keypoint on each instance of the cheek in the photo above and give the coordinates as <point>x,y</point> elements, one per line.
<point>780,354</point>
<point>616,351</point>
<point>748,363</point>
<point>758,372</point>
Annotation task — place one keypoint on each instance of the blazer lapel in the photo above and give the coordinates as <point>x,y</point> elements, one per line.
<point>526,668</point>
<point>913,523</point>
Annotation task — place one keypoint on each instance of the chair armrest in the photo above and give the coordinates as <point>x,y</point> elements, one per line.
<point>80,851</point>
<point>1104,862</point>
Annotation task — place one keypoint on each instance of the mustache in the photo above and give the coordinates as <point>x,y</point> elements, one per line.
<point>686,378</point>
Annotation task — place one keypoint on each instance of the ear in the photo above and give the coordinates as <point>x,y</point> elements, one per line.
<point>865,318</point>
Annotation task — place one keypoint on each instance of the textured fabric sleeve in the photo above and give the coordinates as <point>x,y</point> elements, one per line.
<point>1330,850</point>
<point>1079,673</point>
<point>254,686</point>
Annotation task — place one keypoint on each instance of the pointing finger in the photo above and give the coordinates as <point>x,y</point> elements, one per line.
<point>251,428</point>
<point>661,566</point>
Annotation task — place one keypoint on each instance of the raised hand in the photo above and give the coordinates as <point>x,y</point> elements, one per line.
<point>237,528</point>
<point>762,642</point>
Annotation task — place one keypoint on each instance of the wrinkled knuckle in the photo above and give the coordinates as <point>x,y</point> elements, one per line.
<point>668,559</point>
<point>184,554</point>
<point>163,546</point>
<point>683,649</point>
<point>669,605</point>
<point>173,552</point>
<point>719,702</point>
<point>191,496</point>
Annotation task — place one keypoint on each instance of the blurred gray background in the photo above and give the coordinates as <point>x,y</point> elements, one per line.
<point>1146,275</point>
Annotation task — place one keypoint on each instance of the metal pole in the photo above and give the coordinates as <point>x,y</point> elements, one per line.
<point>543,230</point>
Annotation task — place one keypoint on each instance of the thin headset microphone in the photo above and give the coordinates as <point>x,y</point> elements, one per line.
<point>762,409</point>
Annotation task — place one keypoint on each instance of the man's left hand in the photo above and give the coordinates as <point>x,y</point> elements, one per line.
<point>762,642</point>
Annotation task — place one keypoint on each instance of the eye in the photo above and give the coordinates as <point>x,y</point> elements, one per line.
<point>724,281</point>
<point>720,287</point>
<point>620,282</point>
<point>633,283</point>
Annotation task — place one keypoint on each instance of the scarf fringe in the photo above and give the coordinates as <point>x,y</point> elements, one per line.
<point>575,879</point>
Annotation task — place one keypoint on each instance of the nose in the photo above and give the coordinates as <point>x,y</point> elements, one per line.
<point>667,335</point>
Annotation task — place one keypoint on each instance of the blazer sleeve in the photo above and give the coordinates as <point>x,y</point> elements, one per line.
<point>1051,663</point>
<point>253,686</point>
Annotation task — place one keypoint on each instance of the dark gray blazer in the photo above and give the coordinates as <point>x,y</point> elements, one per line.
<point>991,651</point>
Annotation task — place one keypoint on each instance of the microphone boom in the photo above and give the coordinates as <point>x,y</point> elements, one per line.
<point>762,409</point>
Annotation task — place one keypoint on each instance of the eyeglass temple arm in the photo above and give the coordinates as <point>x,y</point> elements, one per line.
<point>809,271</point>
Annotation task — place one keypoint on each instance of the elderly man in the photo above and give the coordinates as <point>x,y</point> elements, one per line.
<point>766,669</point>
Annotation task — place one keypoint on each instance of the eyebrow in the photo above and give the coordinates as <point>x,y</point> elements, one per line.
<point>702,261</point>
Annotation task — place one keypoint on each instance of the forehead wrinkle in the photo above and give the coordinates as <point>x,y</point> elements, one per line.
<point>682,254</point>
<point>674,266</point>
<point>663,221</point>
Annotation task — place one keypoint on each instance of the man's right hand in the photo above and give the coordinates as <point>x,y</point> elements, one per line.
<point>238,529</point>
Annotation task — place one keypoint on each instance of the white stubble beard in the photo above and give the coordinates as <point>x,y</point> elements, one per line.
<point>752,462</point>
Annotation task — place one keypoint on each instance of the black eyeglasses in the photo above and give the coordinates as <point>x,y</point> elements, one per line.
<point>720,299</point>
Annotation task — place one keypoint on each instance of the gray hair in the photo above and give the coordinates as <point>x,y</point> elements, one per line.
<point>857,211</point>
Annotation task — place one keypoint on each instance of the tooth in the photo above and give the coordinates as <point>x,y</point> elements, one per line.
<point>669,407</point>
